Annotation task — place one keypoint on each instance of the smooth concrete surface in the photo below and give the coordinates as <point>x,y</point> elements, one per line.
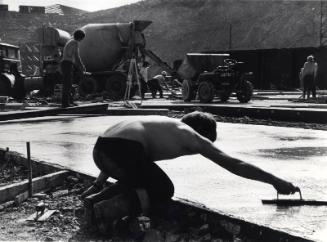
<point>298,155</point>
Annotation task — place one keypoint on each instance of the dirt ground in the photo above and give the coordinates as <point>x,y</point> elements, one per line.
<point>10,173</point>
<point>68,223</point>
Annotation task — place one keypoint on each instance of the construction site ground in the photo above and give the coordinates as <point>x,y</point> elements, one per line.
<point>61,229</point>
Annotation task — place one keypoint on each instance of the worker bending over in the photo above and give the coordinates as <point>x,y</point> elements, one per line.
<point>128,151</point>
<point>156,82</point>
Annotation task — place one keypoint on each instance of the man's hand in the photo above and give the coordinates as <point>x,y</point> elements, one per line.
<point>91,190</point>
<point>284,187</point>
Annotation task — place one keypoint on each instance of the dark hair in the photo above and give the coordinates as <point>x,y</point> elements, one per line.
<point>146,64</point>
<point>203,123</point>
<point>79,34</point>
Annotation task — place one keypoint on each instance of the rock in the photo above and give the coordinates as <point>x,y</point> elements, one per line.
<point>6,205</point>
<point>60,193</point>
<point>48,239</point>
<point>40,195</point>
<point>72,179</point>
<point>204,229</point>
<point>207,237</point>
<point>230,227</point>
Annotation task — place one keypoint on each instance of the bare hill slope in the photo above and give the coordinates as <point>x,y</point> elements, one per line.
<point>182,26</point>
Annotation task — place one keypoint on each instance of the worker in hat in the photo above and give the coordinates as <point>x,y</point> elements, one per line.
<point>156,82</point>
<point>309,74</point>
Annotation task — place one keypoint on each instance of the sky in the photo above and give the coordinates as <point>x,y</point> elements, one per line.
<point>81,4</point>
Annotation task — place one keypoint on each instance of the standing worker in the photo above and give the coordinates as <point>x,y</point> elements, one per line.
<point>144,73</point>
<point>309,74</point>
<point>71,59</point>
<point>128,151</point>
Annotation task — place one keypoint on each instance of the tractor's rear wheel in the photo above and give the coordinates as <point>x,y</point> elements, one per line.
<point>206,91</point>
<point>188,92</point>
<point>5,86</point>
<point>245,92</point>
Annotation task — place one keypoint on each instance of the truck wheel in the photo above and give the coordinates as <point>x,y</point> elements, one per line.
<point>87,85</point>
<point>188,92</point>
<point>245,92</point>
<point>206,91</point>
<point>5,86</point>
<point>116,86</point>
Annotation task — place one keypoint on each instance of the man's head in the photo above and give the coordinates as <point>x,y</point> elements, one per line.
<point>164,73</point>
<point>310,58</point>
<point>79,35</point>
<point>203,123</point>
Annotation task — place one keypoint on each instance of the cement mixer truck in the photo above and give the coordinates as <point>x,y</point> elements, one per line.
<point>108,51</point>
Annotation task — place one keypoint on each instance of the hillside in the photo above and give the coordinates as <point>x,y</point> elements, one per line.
<point>182,26</point>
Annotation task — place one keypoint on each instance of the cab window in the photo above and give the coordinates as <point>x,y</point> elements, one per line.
<point>2,51</point>
<point>12,53</point>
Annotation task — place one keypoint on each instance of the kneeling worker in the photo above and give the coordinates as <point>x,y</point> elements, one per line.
<point>128,151</point>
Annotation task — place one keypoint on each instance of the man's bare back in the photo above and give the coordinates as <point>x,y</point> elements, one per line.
<point>162,137</point>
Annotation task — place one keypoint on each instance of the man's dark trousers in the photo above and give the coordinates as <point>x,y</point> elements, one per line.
<point>67,71</point>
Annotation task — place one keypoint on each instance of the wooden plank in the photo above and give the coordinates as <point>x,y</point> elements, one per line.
<point>46,215</point>
<point>81,109</point>
<point>9,192</point>
<point>37,217</point>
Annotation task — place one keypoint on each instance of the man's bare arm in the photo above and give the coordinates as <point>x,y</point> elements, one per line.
<point>79,60</point>
<point>243,169</point>
<point>97,185</point>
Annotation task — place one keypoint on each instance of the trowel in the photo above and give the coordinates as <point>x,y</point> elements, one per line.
<point>294,202</point>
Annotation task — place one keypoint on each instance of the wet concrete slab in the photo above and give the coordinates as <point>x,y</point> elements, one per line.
<point>298,155</point>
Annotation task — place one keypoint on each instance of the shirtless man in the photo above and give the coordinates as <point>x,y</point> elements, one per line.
<point>127,152</point>
<point>71,59</point>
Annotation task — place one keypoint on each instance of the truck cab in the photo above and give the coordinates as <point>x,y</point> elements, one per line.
<point>11,79</point>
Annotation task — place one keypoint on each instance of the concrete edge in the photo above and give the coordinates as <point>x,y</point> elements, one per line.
<point>82,109</point>
<point>9,192</point>
<point>278,114</point>
<point>138,111</point>
<point>236,226</point>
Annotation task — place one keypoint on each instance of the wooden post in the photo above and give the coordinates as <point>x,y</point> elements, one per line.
<point>30,172</point>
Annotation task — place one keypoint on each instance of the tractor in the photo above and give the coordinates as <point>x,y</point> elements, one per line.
<point>210,75</point>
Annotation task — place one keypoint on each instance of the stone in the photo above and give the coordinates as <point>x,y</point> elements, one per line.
<point>60,193</point>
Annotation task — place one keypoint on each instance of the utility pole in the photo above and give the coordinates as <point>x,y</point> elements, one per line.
<point>322,29</point>
<point>230,36</point>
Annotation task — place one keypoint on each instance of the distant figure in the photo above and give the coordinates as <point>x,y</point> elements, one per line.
<point>308,76</point>
<point>144,72</point>
<point>71,59</point>
<point>156,82</point>
<point>128,151</point>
